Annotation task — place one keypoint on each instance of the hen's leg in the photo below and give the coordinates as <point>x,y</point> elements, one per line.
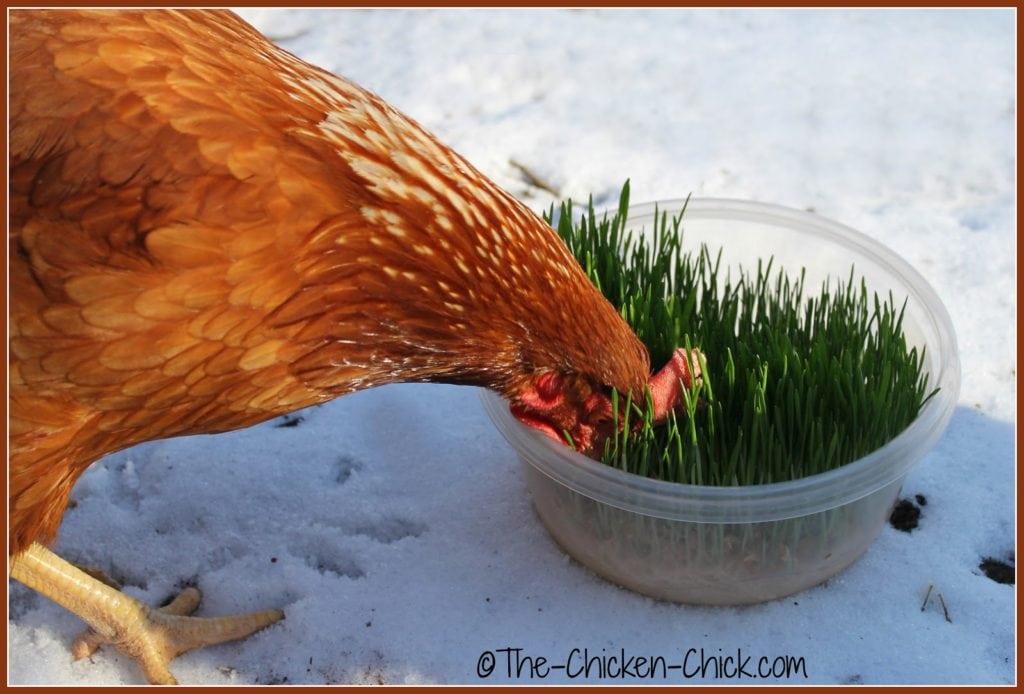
<point>152,636</point>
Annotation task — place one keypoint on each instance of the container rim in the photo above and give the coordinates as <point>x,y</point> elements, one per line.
<point>780,500</point>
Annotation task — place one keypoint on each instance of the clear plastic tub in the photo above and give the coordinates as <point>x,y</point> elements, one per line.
<point>738,545</point>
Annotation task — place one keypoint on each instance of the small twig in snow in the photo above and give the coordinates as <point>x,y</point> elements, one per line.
<point>945,611</point>
<point>926,596</point>
<point>287,36</point>
<point>942,600</point>
<point>533,179</point>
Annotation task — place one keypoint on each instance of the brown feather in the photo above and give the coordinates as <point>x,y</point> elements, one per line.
<point>206,232</point>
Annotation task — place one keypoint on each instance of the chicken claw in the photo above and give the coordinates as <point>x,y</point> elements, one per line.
<point>153,636</point>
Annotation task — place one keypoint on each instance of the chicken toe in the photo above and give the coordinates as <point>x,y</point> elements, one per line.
<point>153,636</point>
<point>184,603</point>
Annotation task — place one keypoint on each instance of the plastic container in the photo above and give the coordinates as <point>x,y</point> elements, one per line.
<point>739,545</point>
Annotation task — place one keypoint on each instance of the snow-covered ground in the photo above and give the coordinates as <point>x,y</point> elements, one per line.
<point>394,526</point>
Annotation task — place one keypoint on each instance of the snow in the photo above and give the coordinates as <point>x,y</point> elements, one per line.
<point>394,527</point>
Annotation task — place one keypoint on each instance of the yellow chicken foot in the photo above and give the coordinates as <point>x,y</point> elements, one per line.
<point>152,636</point>
<point>185,603</point>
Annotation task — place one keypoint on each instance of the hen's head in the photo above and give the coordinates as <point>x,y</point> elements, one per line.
<point>561,405</point>
<point>573,351</point>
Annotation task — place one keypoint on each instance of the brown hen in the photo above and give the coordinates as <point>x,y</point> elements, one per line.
<point>206,232</point>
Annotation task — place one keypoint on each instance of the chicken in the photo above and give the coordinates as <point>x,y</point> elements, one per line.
<point>206,232</point>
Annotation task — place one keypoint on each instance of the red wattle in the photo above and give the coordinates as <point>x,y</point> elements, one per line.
<point>667,385</point>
